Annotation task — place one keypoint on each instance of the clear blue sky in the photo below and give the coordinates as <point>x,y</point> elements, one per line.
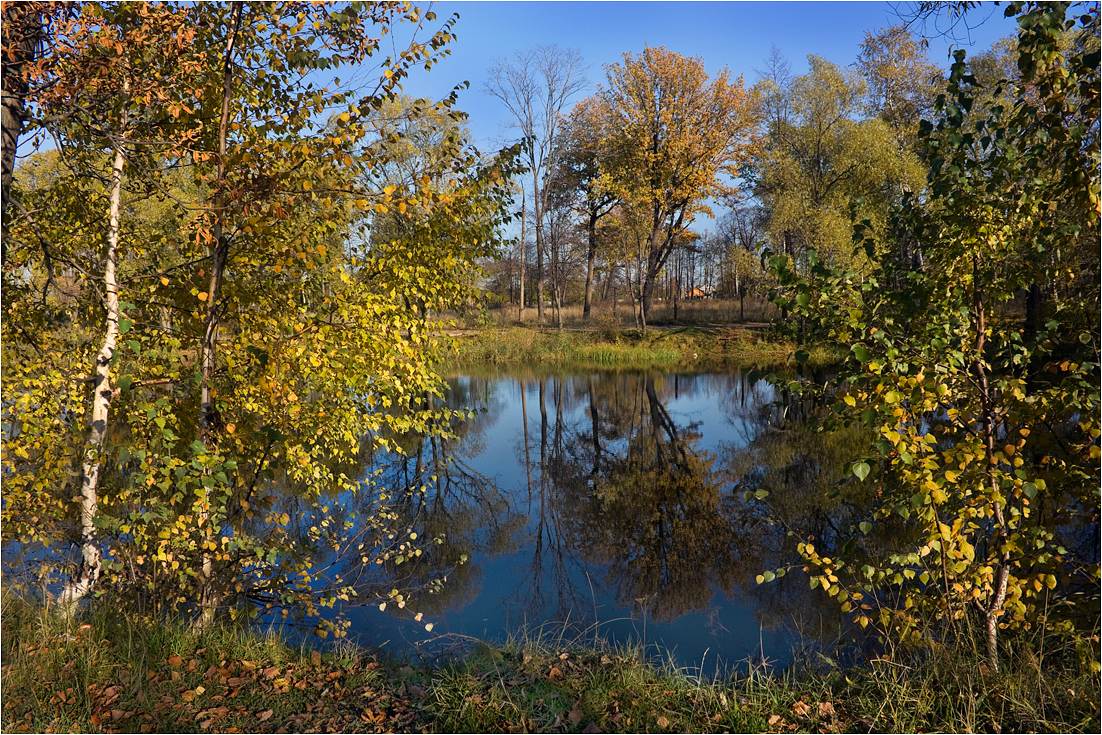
<point>737,35</point>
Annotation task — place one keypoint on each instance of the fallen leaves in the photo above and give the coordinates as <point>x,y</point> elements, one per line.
<point>206,718</point>
<point>190,694</point>
<point>198,691</point>
<point>821,713</point>
<point>110,695</point>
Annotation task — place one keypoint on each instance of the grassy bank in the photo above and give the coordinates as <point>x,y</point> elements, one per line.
<point>621,349</point>
<point>107,673</point>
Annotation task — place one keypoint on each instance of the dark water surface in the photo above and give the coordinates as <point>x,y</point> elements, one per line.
<point>613,502</point>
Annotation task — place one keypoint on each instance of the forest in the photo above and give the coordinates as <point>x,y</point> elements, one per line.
<point>298,380</point>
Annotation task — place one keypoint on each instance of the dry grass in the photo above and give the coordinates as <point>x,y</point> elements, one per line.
<point>698,312</point>
<point>613,348</point>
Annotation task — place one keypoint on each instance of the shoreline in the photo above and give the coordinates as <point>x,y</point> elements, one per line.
<point>113,673</point>
<point>603,348</point>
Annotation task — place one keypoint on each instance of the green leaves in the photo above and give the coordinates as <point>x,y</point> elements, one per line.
<point>959,353</point>
<point>324,352</point>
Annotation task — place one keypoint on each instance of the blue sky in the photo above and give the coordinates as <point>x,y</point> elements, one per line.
<point>737,35</point>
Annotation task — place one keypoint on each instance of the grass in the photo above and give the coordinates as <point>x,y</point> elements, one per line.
<point>109,672</point>
<point>621,349</point>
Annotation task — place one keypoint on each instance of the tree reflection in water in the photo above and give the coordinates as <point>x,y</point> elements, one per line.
<point>617,495</point>
<point>636,494</point>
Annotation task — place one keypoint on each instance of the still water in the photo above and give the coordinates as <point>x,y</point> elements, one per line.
<point>619,504</point>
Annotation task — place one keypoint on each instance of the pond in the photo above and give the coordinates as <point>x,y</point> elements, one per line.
<point>621,505</point>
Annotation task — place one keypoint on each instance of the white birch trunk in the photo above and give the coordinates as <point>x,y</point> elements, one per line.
<point>82,582</point>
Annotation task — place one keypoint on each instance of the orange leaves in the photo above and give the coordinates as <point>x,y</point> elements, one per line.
<point>191,694</point>
<point>676,134</point>
<point>175,109</point>
<point>821,713</point>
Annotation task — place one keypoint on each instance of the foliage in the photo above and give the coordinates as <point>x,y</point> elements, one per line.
<point>821,164</point>
<point>251,269</point>
<point>901,84</point>
<point>985,414</point>
<point>676,138</point>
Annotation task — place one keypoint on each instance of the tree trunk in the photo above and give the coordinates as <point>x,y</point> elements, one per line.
<point>657,250</point>
<point>675,290</point>
<point>556,291</point>
<point>209,420</point>
<point>523,253</point>
<point>23,30</point>
<point>537,214</point>
<point>590,258</point>
<point>81,583</point>
<point>646,300</point>
<point>1002,573</point>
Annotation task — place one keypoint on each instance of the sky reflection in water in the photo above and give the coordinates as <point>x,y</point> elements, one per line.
<point>644,530</point>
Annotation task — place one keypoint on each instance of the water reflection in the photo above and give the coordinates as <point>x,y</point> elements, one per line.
<point>610,498</point>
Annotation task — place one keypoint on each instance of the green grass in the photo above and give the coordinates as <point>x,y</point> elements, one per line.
<point>109,671</point>
<point>620,349</point>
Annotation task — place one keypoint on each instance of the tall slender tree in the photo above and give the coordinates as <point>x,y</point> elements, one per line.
<point>536,87</point>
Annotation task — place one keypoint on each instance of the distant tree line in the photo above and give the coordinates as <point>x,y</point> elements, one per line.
<point>620,185</point>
